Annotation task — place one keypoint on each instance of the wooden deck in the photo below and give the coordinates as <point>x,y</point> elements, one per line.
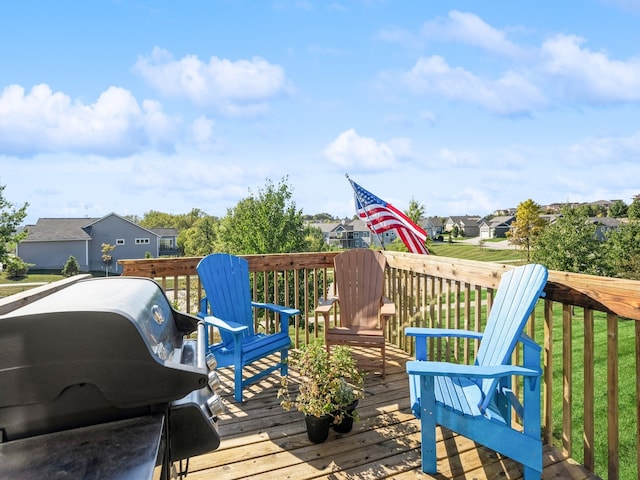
<point>261,440</point>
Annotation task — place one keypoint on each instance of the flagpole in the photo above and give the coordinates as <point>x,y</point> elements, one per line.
<point>355,192</point>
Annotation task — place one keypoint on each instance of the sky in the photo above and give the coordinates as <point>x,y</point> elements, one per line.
<point>466,107</point>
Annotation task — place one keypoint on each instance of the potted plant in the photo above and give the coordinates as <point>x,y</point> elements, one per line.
<point>329,389</point>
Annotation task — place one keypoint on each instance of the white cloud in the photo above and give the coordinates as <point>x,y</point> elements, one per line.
<point>202,132</point>
<point>612,150</point>
<point>44,121</point>
<point>458,159</point>
<point>350,150</point>
<point>581,74</point>
<point>560,71</point>
<point>512,93</point>
<point>240,88</point>
<point>460,201</point>
<point>470,29</point>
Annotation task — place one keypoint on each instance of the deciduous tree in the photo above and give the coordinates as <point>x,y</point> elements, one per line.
<point>200,239</point>
<point>268,222</point>
<point>570,245</point>
<point>618,209</point>
<point>623,251</point>
<point>10,220</point>
<point>633,211</point>
<point>527,226</point>
<point>416,211</point>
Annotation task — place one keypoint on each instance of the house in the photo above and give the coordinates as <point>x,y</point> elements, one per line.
<point>604,225</point>
<point>51,241</point>
<point>346,234</point>
<point>433,226</point>
<point>168,241</point>
<point>352,234</point>
<point>468,226</point>
<point>497,227</point>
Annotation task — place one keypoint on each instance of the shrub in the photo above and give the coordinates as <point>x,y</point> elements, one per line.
<point>16,268</point>
<point>71,268</point>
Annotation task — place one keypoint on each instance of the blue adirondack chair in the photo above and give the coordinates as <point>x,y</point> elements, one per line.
<point>476,400</point>
<point>227,306</point>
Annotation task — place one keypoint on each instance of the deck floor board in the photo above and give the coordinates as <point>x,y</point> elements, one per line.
<point>262,441</point>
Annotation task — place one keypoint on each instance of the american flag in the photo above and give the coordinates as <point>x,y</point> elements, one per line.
<point>380,216</point>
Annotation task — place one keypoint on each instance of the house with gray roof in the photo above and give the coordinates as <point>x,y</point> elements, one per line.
<point>497,227</point>
<point>347,234</point>
<point>51,241</point>
<point>468,226</point>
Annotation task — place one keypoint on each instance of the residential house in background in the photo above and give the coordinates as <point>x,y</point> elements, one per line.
<point>51,241</point>
<point>604,225</point>
<point>355,234</point>
<point>468,226</point>
<point>497,227</point>
<point>346,234</point>
<point>433,226</point>
<point>168,241</point>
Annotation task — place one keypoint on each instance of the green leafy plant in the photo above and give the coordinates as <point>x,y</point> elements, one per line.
<point>328,385</point>
<point>16,268</point>
<point>71,267</point>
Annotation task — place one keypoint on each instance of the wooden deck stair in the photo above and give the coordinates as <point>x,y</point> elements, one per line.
<point>261,440</point>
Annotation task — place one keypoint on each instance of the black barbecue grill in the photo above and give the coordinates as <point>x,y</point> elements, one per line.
<point>104,360</point>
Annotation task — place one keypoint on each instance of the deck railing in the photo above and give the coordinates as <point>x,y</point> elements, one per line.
<point>589,328</point>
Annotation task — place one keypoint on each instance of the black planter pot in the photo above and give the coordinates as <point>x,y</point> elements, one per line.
<point>346,424</point>
<point>318,427</point>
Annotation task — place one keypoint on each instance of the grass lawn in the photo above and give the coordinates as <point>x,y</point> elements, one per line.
<point>466,251</point>
<point>10,286</point>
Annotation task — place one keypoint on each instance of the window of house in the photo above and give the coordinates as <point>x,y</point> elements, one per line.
<point>119,241</point>
<point>141,241</point>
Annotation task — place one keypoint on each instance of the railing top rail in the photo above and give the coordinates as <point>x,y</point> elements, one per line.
<point>614,295</point>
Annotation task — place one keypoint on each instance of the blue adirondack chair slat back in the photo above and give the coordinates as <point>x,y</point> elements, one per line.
<point>225,279</point>
<point>515,299</point>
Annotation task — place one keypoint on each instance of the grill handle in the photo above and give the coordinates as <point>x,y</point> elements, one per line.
<point>202,348</point>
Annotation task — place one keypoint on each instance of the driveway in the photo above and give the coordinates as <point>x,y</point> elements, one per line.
<point>496,245</point>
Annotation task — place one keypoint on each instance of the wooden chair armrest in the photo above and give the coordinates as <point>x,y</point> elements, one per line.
<point>388,308</point>
<point>325,305</point>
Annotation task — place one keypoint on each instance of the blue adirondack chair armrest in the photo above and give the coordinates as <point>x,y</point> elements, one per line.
<point>441,332</point>
<point>231,327</point>
<point>421,334</point>
<point>284,312</point>
<point>446,369</point>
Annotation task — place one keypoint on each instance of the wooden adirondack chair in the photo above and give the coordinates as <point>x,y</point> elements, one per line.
<point>359,277</point>
<point>476,400</point>
<point>227,306</point>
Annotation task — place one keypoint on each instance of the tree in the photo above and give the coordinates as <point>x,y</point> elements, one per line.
<point>314,240</point>
<point>16,267</point>
<point>200,239</point>
<point>527,226</point>
<point>623,251</point>
<point>10,220</point>
<point>634,209</point>
<point>106,256</point>
<point>618,209</point>
<point>416,211</point>
<point>71,267</point>
<point>266,223</point>
<point>570,245</point>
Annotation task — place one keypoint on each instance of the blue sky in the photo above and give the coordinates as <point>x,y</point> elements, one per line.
<point>467,107</point>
